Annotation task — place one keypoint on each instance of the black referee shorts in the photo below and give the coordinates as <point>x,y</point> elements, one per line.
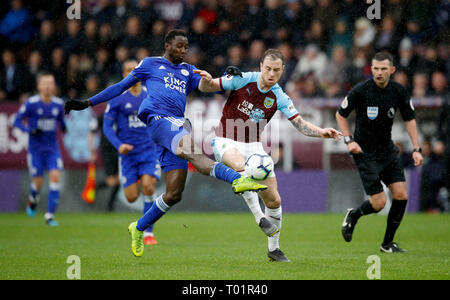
<point>376,168</point>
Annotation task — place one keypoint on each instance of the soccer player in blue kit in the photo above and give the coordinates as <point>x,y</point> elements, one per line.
<point>168,80</point>
<point>137,153</point>
<point>44,112</point>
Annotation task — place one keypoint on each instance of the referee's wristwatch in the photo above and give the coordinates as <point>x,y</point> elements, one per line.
<point>348,139</point>
<point>417,150</point>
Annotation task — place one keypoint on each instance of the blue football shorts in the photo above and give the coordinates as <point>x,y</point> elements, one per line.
<point>166,133</point>
<point>133,166</point>
<point>38,162</point>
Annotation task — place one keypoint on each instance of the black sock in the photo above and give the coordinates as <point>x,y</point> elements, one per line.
<point>394,218</point>
<point>112,197</point>
<point>365,209</point>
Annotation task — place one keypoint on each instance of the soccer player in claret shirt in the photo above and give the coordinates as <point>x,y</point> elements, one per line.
<point>137,153</point>
<point>44,113</point>
<point>255,97</point>
<point>375,102</point>
<point>168,81</point>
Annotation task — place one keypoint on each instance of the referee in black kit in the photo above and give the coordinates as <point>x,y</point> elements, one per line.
<point>376,102</point>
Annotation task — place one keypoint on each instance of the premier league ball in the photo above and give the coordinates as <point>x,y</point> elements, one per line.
<point>259,167</point>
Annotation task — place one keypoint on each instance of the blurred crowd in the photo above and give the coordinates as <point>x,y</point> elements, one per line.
<point>327,44</point>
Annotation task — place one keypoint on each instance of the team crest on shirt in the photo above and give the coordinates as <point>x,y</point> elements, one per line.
<point>55,111</point>
<point>185,72</point>
<point>372,112</point>
<point>268,102</point>
<point>391,112</point>
<point>256,115</point>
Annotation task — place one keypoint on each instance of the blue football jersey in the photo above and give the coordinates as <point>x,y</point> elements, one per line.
<point>129,129</point>
<point>43,116</point>
<point>168,85</point>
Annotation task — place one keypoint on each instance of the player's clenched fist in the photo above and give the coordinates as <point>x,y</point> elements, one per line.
<point>125,149</point>
<point>73,104</point>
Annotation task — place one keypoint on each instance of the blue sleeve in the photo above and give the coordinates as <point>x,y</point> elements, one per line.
<point>114,90</point>
<point>194,80</point>
<point>285,105</point>
<point>21,114</point>
<point>62,122</point>
<point>143,69</point>
<point>230,82</point>
<point>108,125</point>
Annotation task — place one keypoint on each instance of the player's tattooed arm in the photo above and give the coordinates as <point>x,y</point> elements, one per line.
<point>306,128</point>
<point>309,129</point>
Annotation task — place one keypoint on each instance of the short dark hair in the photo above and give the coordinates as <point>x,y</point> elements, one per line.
<point>380,56</point>
<point>43,74</point>
<point>273,54</point>
<point>173,33</point>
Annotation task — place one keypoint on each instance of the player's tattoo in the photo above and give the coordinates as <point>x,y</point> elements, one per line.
<point>305,127</point>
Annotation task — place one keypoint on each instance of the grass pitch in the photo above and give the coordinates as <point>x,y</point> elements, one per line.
<point>222,246</point>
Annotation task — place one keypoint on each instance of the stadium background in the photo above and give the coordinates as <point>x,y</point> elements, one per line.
<point>327,45</point>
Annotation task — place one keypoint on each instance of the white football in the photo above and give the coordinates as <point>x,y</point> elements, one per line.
<point>259,167</point>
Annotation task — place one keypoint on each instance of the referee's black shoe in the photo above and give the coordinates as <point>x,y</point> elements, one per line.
<point>277,255</point>
<point>348,226</point>
<point>392,248</point>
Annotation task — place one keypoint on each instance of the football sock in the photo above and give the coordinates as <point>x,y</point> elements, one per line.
<point>156,211</point>
<point>148,202</point>
<point>112,196</point>
<point>53,197</point>
<point>34,194</point>
<point>222,172</point>
<point>274,216</point>
<point>365,209</point>
<point>394,219</point>
<point>252,200</point>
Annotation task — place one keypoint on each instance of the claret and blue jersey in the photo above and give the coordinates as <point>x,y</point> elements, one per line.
<point>249,103</point>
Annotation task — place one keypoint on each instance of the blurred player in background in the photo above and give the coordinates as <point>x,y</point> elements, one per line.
<point>375,102</point>
<point>44,113</point>
<point>168,80</point>
<point>109,158</point>
<point>137,153</point>
<point>254,100</point>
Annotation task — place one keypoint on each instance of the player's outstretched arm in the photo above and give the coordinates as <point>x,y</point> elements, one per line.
<point>311,130</point>
<point>207,84</point>
<point>105,95</point>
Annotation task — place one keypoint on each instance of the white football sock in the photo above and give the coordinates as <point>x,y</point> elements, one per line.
<point>274,216</point>
<point>252,200</point>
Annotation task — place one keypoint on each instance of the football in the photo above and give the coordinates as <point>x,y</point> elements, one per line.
<point>258,166</point>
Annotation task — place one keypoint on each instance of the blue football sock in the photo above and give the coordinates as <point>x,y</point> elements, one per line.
<point>156,211</point>
<point>53,197</point>
<point>220,171</point>
<point>148,202</point>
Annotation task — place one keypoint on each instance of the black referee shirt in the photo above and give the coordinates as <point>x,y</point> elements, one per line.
<point>375,111</point>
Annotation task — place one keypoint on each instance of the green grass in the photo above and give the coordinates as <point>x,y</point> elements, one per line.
<point>220,246</point>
